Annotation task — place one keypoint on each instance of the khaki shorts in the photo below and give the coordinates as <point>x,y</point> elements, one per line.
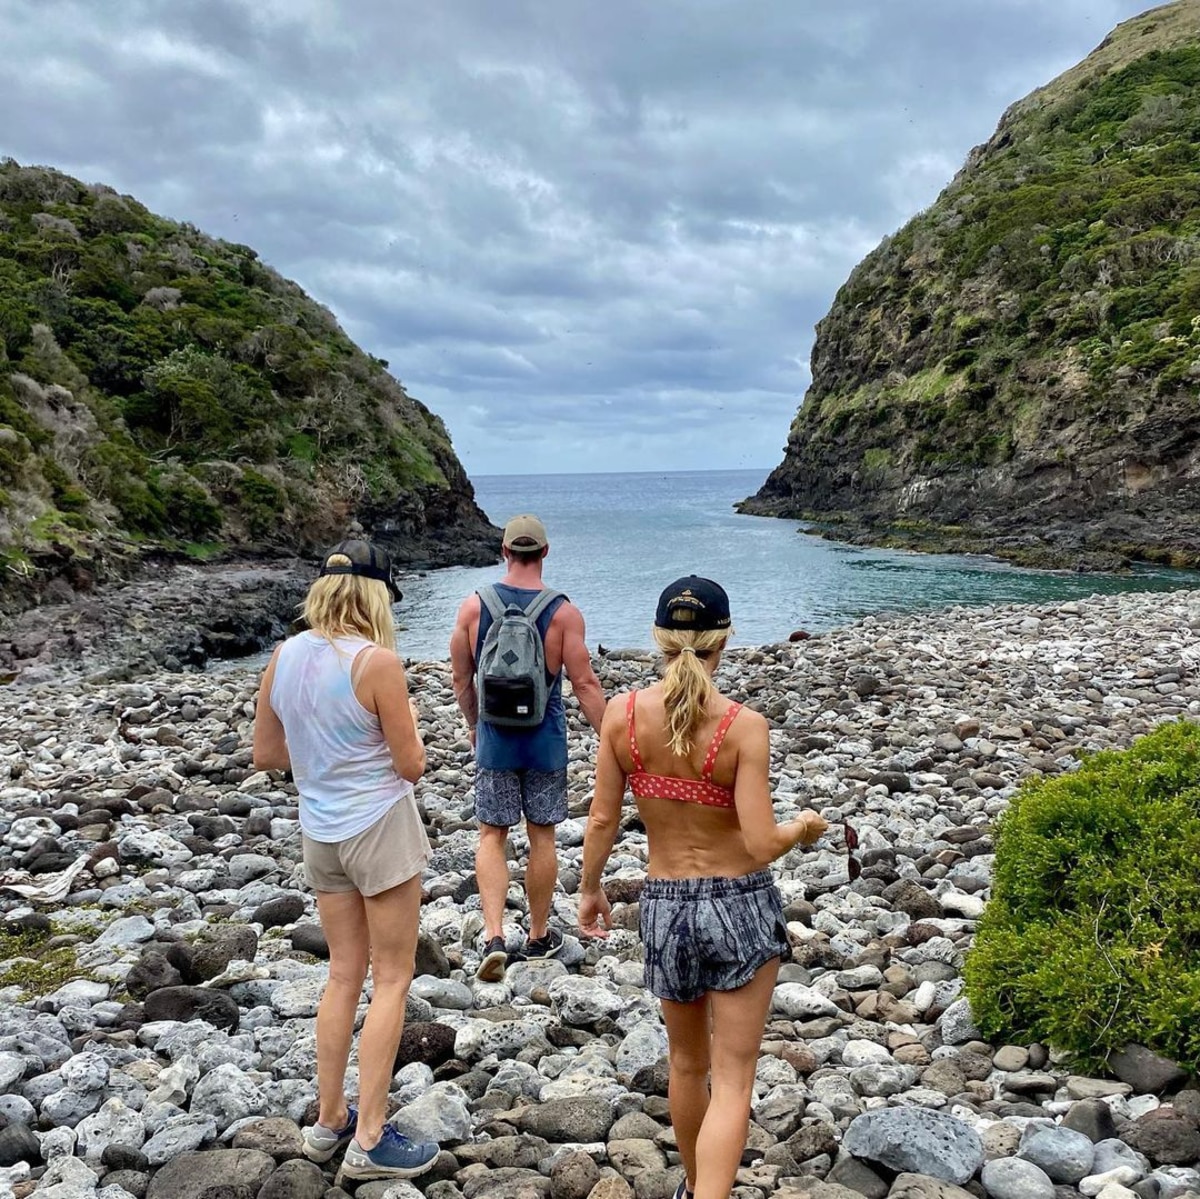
<point>387,854</point>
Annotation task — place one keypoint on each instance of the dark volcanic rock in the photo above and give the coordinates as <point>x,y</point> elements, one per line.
<point>294,1180</point>
<point>309,938</point>
<point>430,1043</point>
<point>219,947</point>
<point>279,1137</point>
<point>430,957</point>
<point>275,913</point>
<point>1166,1138</point>
<point>199,1174</point>
<point>124,1157</point>
<point>151,972</point>
<point>575,1119</point>
<point>908,896</point>
<point>193,1003</point>
<point>1146,1071</point>
<point>18,1144</point>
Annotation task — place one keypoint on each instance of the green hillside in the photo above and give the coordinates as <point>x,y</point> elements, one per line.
<point>159,387</point>
<point>1018,368</point>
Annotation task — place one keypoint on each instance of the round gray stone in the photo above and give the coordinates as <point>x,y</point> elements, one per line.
<point>1015,1178</point>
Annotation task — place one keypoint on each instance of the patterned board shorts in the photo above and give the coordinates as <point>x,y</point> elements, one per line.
<point>503,796</point>
<point>710,934</point>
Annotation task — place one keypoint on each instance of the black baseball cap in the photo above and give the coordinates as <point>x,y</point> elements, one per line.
<point>367,560</point>
<point>693,603</point>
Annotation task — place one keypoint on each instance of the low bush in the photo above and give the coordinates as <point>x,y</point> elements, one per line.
<point>1092,936</point>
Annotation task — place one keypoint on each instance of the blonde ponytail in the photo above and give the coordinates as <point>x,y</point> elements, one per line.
<point>687,686</point>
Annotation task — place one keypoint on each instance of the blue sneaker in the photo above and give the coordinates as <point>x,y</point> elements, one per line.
<point>321,1143</point>
<point>394,1157</point>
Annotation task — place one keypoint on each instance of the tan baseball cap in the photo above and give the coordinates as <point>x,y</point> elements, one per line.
<point>525,533</point>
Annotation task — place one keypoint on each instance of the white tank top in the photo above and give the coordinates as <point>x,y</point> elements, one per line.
<point>340,759</point>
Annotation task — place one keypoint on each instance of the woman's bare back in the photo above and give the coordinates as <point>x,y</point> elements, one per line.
<point>689,840</point>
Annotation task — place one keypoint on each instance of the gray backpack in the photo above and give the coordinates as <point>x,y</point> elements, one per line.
<point>510,678</point>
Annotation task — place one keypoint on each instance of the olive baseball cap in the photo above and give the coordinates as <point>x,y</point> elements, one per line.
<point>525,533</point>
<point>693,603</point>
<point>367,560</point>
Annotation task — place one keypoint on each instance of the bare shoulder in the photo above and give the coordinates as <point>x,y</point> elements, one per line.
<point>567,616</point>
<point>380,660</point>
<point>468,610</point>
<point>750,723</point>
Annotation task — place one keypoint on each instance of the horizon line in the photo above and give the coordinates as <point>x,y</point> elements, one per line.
<point>549,474</point>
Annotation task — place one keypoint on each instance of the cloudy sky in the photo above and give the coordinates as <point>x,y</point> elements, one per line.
<point>591,234</point>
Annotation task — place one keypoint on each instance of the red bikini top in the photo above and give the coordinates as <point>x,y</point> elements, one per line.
<point>664,786</point>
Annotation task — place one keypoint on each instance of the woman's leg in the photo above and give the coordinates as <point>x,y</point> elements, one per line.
<point>738,1019</point>
<point>687,1036</point>
<point>344,922</point>
<point>393,917</point>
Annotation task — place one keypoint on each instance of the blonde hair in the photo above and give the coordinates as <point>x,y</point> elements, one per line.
<point>687,686</point>
<point>350,605</point>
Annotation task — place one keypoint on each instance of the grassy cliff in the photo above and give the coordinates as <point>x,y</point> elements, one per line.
<point>161,389</point>
<point>1018,368</point>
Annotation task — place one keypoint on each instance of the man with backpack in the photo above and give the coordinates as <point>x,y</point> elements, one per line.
<point>511,643</point>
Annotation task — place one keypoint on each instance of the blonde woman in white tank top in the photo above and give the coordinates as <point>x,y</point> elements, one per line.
<point>334,708</point>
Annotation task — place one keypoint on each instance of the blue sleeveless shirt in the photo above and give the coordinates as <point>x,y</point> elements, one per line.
<point>543,748</point>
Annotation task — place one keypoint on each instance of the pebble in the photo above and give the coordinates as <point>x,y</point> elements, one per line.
<point>550,1084</point>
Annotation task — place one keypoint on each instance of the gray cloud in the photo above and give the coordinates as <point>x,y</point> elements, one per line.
<point>589,236</point>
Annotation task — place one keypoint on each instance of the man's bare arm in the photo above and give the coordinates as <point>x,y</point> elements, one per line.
<point>577,662</point>
<point>462,662</point>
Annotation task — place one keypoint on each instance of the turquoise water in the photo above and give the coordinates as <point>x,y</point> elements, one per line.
<point>617,539</point>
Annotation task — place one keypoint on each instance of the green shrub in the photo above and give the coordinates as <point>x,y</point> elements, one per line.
<point>190,510</point>
<point>262,502</point>
<point>1092,936</point>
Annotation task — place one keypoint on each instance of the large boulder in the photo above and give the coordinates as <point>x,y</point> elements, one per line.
<point>916,1140</point>
<point>193,1003</point>
<point>576,1119</point>
<point>194,1175</point>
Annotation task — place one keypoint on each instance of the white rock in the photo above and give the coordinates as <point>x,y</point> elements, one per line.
<point>227,1094</point>
<point>1094,1184</point>
<point>113,1124</point>
<point>799,1002</point>
<point>178,1135</point>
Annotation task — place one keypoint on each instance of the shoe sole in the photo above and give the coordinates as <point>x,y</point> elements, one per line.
<point>491,969</point>
<point>321,1156</point>
<point>380,1173</point>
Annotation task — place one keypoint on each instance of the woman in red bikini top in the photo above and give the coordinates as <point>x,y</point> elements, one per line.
<point>711,917</point>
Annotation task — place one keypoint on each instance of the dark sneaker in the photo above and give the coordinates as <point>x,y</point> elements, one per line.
<point>321,1143</point>
<point>681,1191</point>
<point>544,947</point>
<point>394,1157</point>
<point>491,969</point>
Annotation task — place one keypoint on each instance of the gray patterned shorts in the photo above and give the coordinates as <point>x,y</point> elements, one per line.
<point>710,934</point>
<point>503,796</point>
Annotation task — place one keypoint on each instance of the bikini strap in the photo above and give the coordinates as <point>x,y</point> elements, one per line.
<point>714,748</point>
<point>631,703</point>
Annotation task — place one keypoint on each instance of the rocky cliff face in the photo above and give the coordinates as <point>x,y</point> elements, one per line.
<point>1018,368</point>
<point>165,392</point>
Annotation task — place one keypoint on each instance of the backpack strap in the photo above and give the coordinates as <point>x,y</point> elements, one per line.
<point>547,596</point>
<point>490,597</point>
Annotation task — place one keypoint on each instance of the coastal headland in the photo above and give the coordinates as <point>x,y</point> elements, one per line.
<point>1016,370</point>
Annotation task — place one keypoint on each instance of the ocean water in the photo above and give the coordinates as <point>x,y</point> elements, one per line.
<point>617,539</point>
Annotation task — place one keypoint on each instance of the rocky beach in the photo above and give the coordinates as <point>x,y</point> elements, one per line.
<point>163,963</point>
